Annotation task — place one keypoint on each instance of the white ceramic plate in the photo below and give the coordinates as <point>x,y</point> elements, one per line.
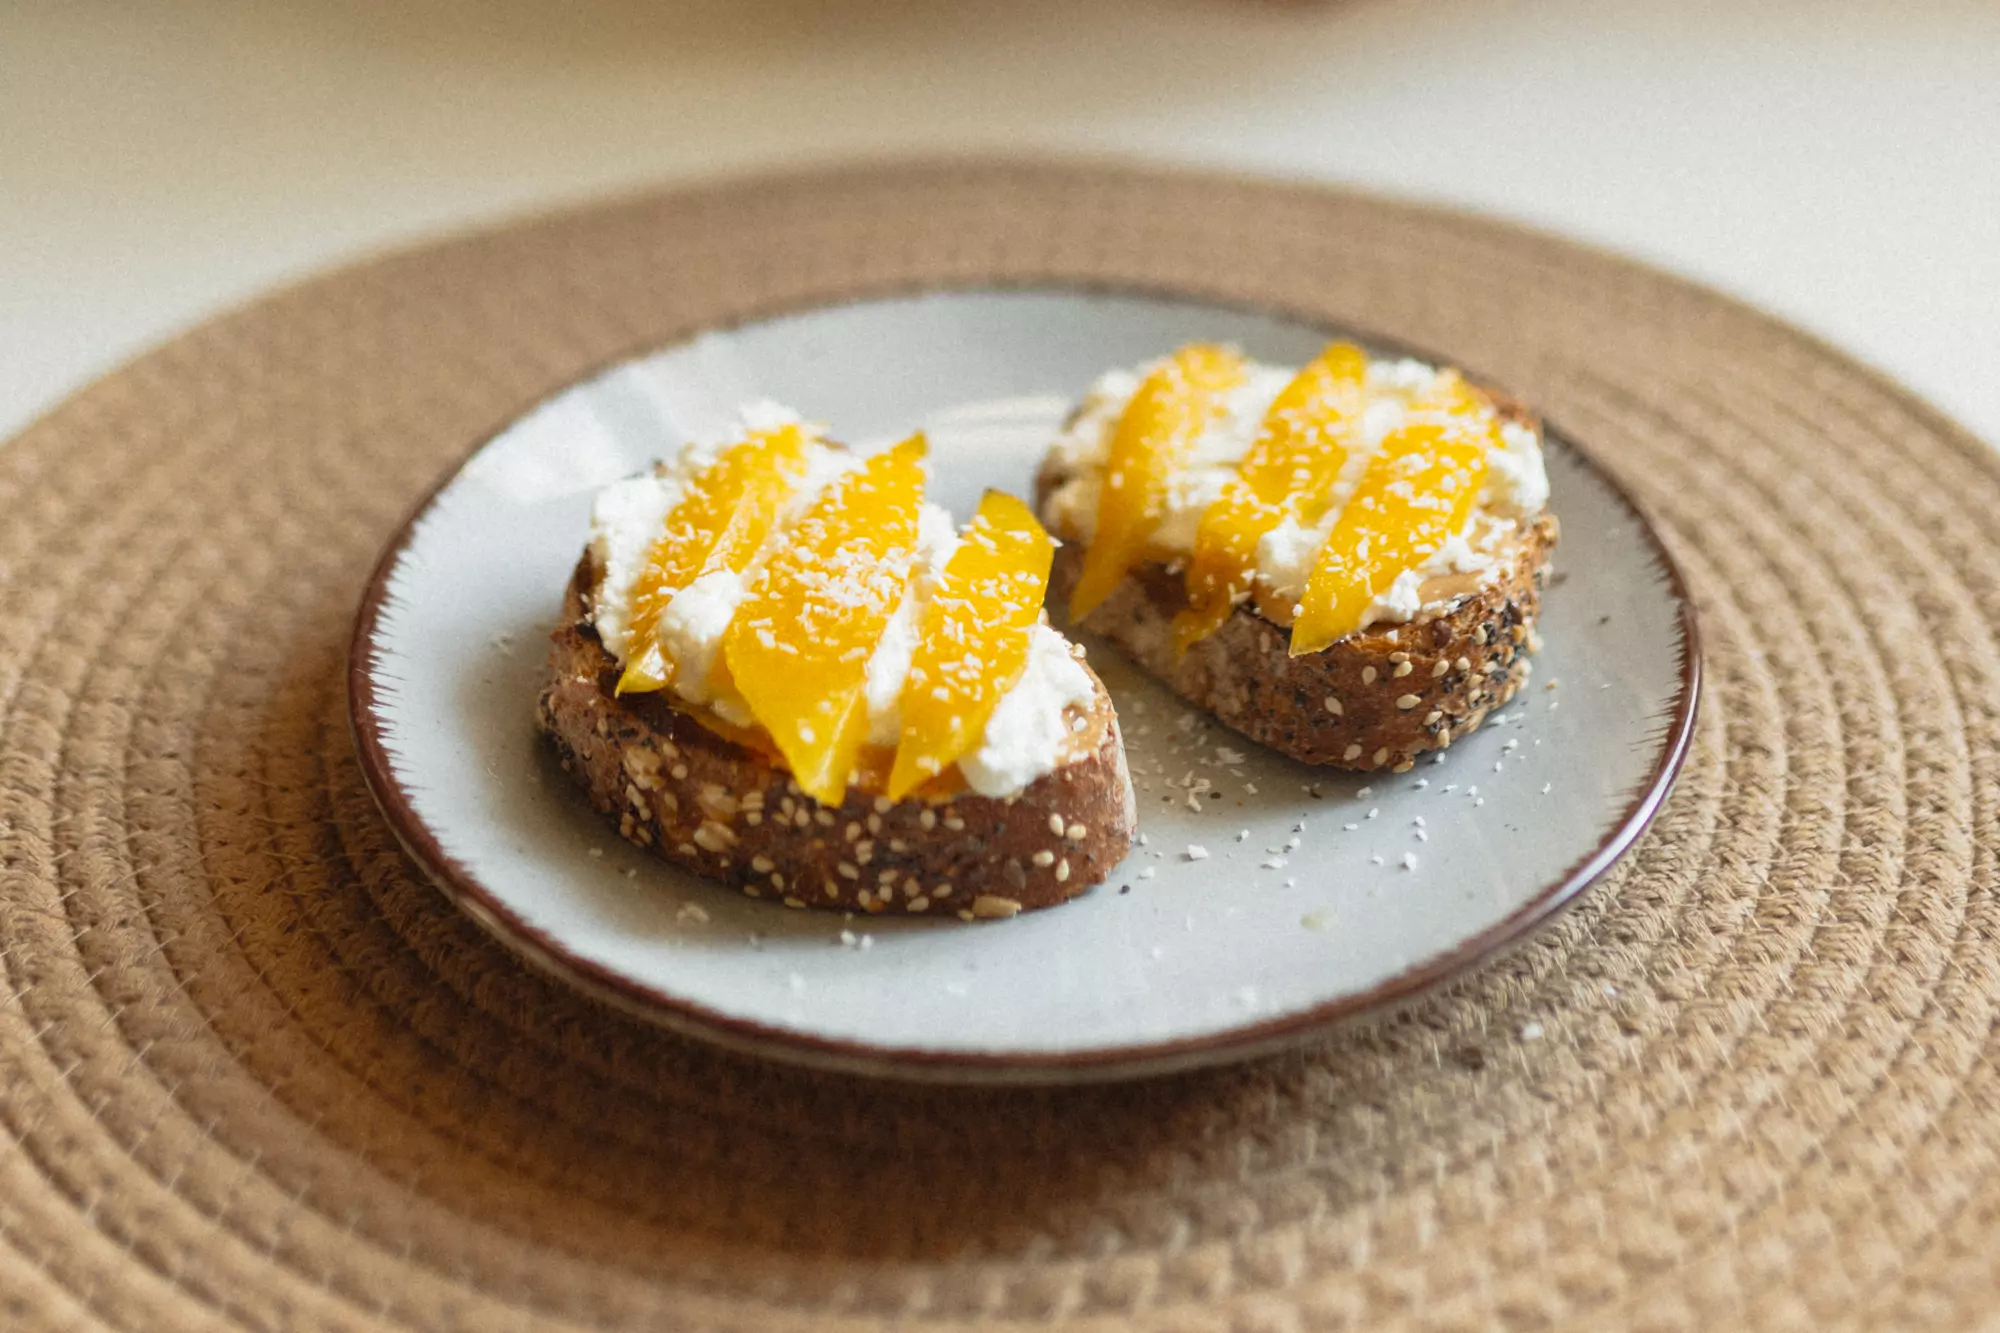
<point>1321,894</point>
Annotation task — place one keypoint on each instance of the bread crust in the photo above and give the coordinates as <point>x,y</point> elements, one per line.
<point>1375,699</point>
<point>727,813</point>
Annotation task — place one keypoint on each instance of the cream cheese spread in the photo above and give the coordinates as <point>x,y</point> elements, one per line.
<point>1515,491</point>
<point>1027,735</point>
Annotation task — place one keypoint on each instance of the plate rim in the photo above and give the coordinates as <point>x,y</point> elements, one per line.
<point>692,1018</point>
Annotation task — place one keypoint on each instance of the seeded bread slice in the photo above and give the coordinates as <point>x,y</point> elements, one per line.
<point>728,813</point>
<point>1373,700</point>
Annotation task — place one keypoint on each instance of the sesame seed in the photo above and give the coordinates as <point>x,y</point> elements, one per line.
<point>1408,701</point>
<point>1368,675</point>
<point>942,890</point>
<point>763,865</point>
<point>993,906</point>
<point>1403,669</point>
<point>848,870</point>
<point>920,904</point>
<point>1439,667</point>
<point>1431,718</point>
<point>927,820</point>
<point>1382,755</point>
<point>1056,825</point>
<point>874,823</point>
<point>1351,752</point>
<point>1333,705</point>
<point>1062,870</point>
<point>853,831</point>
<point>954,823</point>
<point>1399,658</point>
<point>795,902</point>
<point>1044,858</point>
<point>680,772</point>
<point>822,817</point>
<point>1076,833</point>
<point>883,805</point>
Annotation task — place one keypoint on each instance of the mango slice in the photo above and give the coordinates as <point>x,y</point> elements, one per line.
<point>797,650</point>
<point>720,523</point>
<point>1152,437</point>
<point>1296,457</point>
<point>1418,491</point>
<point>973,641</point>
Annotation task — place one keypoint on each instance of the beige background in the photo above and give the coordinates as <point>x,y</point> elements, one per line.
<point>1838,163</point>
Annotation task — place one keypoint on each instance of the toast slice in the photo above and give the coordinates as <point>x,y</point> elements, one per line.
<point>727,812</point>
<point>1373,698</point>
<point>781,667</point>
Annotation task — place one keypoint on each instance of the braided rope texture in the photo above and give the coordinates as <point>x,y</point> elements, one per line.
<point>255,1072</point>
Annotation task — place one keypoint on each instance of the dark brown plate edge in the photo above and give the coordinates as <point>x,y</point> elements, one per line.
<point>930,1065</point>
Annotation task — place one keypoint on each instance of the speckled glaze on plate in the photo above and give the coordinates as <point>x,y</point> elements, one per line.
<point>1313,896</point>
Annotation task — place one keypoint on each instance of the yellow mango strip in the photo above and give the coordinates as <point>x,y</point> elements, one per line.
<point>798,648</point>
<point>1417,492</point>
<point>1296,457</point>
<point>1153,436</point>
<point>972,645</point>
<point>720,522</point>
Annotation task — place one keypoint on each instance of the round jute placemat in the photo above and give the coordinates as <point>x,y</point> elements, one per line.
<point>255,1072</point>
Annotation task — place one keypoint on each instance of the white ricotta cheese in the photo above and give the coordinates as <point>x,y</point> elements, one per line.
<point>691,629</point>
<point>622,524</point>
<point>1028,731</point>
<point>1517,478</point>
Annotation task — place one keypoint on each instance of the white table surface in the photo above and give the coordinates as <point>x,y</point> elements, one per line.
<point>1835,162</point>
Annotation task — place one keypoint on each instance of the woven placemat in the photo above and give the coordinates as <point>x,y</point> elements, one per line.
<point>255,1072</point>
